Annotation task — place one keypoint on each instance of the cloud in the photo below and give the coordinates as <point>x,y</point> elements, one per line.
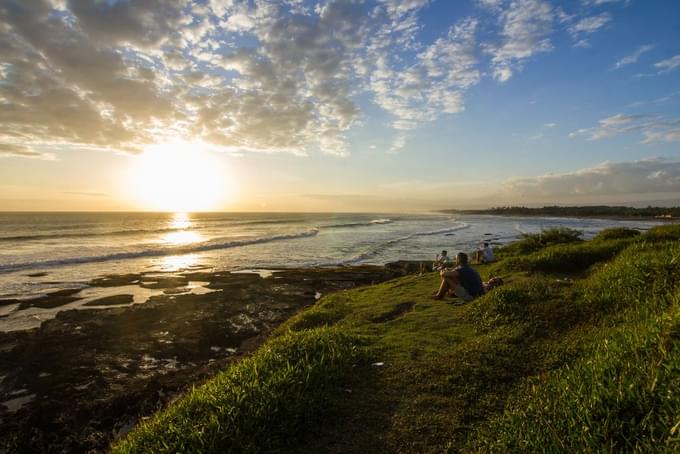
<point>586,26</point>
<point>432,85</point>
<point>398,8</point>
<point>526,26</point>
<point>550,125</point>
<point>668,65</point>
<point>262,75</point>
<point>654,175</point>
<point>123,75</point>
<point>493,5</point>
<point>634,57</point>
<point>654,128</point>
<point>603,2</point>
<point>21,151</point>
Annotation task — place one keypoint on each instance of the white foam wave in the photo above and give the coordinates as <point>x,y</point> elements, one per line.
<point>374,252</point>
<point>358,224</point>
<point>157,252</point>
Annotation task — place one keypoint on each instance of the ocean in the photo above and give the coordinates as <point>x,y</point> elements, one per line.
<point>45,252</point>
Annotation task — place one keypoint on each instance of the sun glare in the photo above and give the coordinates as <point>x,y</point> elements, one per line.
<point>180,177</point>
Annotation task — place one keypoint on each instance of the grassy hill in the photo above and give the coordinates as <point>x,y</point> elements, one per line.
<point>579,351</point>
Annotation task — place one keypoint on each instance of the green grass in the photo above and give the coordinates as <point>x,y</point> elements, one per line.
<point>578,352</point>
<point>264,403</point>
<point>532,242</point>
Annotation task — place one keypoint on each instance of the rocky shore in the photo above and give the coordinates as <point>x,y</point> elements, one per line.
<point>85,377</point>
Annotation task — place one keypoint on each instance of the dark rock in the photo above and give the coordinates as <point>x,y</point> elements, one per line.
<point>111,300</point>
<point>53,299</point>
<point>95,372</point>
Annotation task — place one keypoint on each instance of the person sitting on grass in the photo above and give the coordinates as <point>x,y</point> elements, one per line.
<point>442,261</point>
<point>463,280</point>
<point>484,255</point>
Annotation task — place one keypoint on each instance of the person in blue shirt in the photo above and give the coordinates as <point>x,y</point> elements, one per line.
<point>463,280</point>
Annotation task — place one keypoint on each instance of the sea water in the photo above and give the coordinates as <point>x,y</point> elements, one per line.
<point>47,251</point>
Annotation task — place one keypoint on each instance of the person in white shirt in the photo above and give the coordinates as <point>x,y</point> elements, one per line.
<point>485,255</point>
<point>442,261</point>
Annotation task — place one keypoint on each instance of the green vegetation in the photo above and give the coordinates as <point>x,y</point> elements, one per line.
<point>579,351</point>
<point>579,211</point>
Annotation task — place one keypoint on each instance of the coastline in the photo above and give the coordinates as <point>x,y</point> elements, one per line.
<point>567,346</point>
<point>85,377</point>
<point>562,216</point>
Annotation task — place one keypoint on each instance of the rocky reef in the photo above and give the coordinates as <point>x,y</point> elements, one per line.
<point>88,375</point>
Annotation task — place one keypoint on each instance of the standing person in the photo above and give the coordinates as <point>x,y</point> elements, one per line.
<point>441,261</point>
<point>463,280</point>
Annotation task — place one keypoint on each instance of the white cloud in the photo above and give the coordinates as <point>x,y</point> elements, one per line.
<point>668,65</point>
<point>654,128</point>
<point>654,175</point>
<point>398,8</point>
<point>126,74</point>
<point>493,5</point>
<point>603,2</point>
<point>429,87</point>
<point>526,26</point>
<point>550,125</point>
<point>634,57</point>
<point>586,26</point>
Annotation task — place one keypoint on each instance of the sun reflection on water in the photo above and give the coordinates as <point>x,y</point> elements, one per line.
<point>178,262</point>
<point>182,237</point>
<point>181,223</point>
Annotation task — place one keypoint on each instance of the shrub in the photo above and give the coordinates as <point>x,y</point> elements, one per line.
<point>567,258</point>
<point>670,232</point>
<point>634,276</point>
<point>616,233</point>
<point>512,302</point>
<point>262,404</point>
<point>531,242</point>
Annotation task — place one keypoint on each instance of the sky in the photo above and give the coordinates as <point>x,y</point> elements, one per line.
<point>339,105</point>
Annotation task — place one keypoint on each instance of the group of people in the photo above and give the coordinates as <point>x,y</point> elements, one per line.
<point>463,280</point>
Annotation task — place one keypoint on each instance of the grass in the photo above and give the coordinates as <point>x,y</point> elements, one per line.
<point>579,351</point>
<point>263,403</point>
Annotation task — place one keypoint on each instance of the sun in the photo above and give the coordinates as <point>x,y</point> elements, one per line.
<point>180,177</point>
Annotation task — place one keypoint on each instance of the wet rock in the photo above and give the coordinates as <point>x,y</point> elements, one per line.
<point>91,374</point>
<point>111,300</point>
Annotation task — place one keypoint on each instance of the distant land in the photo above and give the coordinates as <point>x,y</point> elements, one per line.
<point>596,211</point>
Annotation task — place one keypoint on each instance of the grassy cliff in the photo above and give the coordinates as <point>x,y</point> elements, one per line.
<point>579,351</point>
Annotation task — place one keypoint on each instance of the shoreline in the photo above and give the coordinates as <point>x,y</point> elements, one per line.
<point>603,217</point>
<point>85,377</point>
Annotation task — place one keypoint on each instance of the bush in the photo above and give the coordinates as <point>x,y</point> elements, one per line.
<point>532,242</point>
<point>634,276</point>
<point>567,258</point>
<point>616,233</point>
<point>264,403</point>
<point>670,232</point>
<point>512,302</point>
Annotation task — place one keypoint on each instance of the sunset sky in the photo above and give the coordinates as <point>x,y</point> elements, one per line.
<point>344,105</point>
